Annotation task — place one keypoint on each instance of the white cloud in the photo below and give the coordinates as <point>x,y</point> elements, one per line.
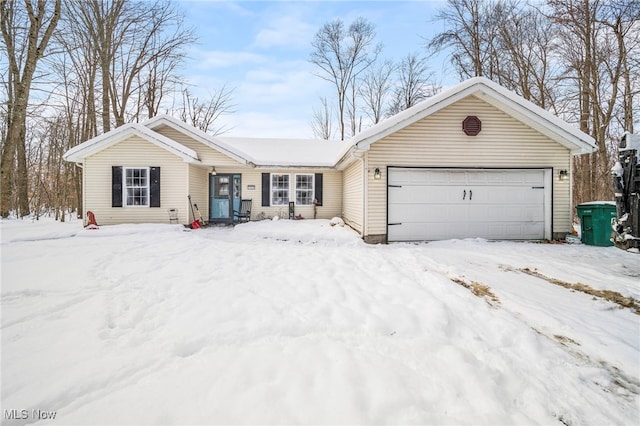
<point>290,31</point>
<point>211,59</point>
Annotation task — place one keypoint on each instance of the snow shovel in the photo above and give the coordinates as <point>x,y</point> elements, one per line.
<point>200,218</point>
<point>195,224</point>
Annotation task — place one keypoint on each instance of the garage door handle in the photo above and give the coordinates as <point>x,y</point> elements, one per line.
<point>470,194</point>
<point>391,224</point>
<point>464,194</point>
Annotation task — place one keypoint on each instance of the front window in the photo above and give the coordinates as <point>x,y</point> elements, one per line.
<point>304,190</point>
<point>279,189</point>
<point>136,186</point>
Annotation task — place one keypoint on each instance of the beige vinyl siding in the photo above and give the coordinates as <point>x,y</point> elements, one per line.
<point>199,189</point>
<point>331,193</point>
<point>206,154</point>
<point>135,152</point>
<point>438,141</point>
<point>353,196</point>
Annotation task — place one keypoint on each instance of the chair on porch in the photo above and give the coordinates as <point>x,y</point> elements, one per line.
<point>173,215</point>
<point>244,214</point>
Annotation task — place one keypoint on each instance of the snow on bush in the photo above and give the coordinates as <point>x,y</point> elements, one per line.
<point>336,221</point>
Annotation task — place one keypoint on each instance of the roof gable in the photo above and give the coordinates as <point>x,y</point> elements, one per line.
<point>510,103</point>
<point>78,153</point>
<point>198,135</point>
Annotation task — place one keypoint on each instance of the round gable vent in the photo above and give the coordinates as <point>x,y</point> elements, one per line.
<point>471,125</point>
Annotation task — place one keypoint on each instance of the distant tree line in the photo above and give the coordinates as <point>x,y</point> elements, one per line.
<point>579,59</point>
<point>79,68</point>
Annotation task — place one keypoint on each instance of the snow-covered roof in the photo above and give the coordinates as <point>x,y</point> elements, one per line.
<point>288,152</point>
<point>264,152</point>
<point>494,94</point>
<point>78,153</point>
<point>197,134</point>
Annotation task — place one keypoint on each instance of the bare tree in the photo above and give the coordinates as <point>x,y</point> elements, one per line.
<point>596,38</point>
<point>135,42</point>
<point>375,89</point>
<point>355,120</point>
<point>204,115</point>
<point>414,84</point>
<point>321,124</point>
<point>622,19</point>
<point>526,54</point>
<point>342,54</point>
<point>26,34</point>
<point>469,34</point>
<point>159,79</point>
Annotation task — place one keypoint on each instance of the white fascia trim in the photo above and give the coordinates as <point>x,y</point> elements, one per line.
<point>92,146</point>
<point>572,138</point>
<point>580,142</point>
<point>409,116</point>
<point>351,155</point>
<point>297,166</point>
<point>198,135</point>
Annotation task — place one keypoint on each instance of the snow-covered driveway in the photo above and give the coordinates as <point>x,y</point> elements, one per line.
<point>298,322</point>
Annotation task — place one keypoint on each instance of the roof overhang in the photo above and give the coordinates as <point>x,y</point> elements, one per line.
<point>198,135</point>
<point>505,100</point>
<point>78,153</point>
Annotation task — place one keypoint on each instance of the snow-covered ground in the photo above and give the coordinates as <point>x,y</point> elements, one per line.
<point>298,322</point>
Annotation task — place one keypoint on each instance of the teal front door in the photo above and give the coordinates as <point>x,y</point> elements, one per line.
<point>224,194</point>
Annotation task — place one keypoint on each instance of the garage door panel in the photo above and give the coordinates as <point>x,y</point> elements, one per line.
<point>429,231</point>
<point>432,204</point>
<point>421,213</point>
<point>421,194</point>
<point>508,195</point>
<point>510,213</point>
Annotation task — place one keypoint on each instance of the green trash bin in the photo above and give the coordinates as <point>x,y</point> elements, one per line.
<point>595,221</point>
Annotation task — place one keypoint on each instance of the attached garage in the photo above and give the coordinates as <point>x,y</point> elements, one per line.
<point>476,160</point>
<point>437,204</point>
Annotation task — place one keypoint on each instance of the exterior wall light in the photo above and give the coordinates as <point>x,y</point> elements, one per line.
<point>377,175</point>
<point>213,171</point>
<point>564,174</point>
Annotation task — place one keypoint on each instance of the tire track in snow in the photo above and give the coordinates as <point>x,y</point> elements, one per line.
<point>621,383</point>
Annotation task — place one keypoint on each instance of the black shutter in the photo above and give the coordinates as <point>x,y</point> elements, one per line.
<point>318,188</point>
<point>154,175</point>
<point>116,186</point>
<point>266,189</point>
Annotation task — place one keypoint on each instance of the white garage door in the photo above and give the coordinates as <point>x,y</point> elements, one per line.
<point>438,204</point>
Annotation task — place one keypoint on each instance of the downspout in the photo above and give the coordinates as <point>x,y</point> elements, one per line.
<point>571,206</point>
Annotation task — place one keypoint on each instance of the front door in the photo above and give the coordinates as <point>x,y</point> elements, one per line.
<point>224,194</point>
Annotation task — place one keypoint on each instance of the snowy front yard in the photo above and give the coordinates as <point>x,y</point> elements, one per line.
<point>298,322</point>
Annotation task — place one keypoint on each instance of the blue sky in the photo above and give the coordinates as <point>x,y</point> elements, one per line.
<point>261,48</point>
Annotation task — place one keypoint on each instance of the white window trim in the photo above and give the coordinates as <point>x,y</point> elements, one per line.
<point>124,187</point>
<point>313,188</point>
<point>271,175</point>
